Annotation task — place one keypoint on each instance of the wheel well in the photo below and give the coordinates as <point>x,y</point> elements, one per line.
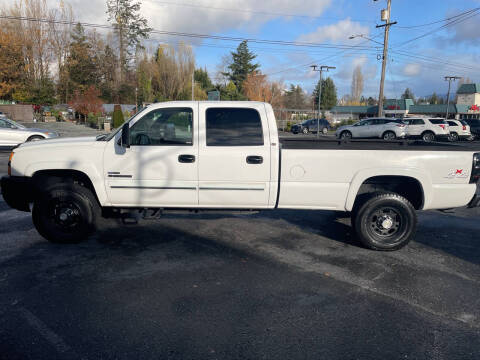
<point>388,131</point>
<point>408,187</point>
<point>35,136</point>
<point>44,178</point>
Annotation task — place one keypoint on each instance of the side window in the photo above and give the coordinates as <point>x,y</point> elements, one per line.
<point>3,124</point>
<point>233,127</point>
<point>451,123</point>
<point>417,122</point>
<point>168,126</point>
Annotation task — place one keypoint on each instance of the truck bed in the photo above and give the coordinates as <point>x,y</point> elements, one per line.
<point>375,144</point>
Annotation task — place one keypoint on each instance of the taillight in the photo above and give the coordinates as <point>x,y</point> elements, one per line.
<point>464,128</point>
<point>10,164</point>
<point>475,168</point>
<point>401,125</point>
<point>442,126</point>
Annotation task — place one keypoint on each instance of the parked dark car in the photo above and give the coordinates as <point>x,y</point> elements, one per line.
<point>309,126</point>
<point>474,127</point>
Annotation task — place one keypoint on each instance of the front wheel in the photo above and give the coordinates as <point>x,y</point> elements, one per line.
<point>305,130</point>
<point>385,222</point>
<point>35,138</point>
<point>65,213</point>
<point>346,135</point>
<point>324,131</point>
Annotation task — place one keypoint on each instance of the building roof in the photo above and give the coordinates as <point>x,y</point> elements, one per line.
<point>355,109</point>
<point>438,109</point>
<point>469,89</point>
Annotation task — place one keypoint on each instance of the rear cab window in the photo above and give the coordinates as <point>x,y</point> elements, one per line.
<point>233,127</point>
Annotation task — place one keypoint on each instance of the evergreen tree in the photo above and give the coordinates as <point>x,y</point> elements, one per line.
<point>230,92</point>
<point>433,99</point>
<point>408,94</point>
<point>294,97</point>
<point>241,65</point>
<point>130,28</point>
<point>328,96</point>
<point>202,78</point>
<point>80,64</point>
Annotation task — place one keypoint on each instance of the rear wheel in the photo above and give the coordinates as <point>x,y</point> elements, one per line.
<point>453,137</point>
<point>65,213</point>
<point>385,222</point>
<point>428,136</point>
<point>305,130</point>
<point>324,131</point>
<point>346,135</point>
<point>389,135</point>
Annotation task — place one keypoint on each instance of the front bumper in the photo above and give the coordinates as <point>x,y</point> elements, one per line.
<point>476,198</point>
<point>17,192</point>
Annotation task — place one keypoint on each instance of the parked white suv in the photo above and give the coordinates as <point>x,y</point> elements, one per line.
<point>459,130</point>
<point>428,129</point>
<point>384,128</point>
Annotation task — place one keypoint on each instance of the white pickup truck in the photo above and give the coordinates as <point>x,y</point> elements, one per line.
<point>227,155</point>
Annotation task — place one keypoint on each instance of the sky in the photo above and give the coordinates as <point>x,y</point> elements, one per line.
<point>420,64</point>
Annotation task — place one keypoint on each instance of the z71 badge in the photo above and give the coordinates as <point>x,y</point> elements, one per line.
<point>457,174</point>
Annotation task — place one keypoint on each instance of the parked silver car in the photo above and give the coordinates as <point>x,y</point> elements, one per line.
<point>383,128</point>
<point>13,133</point>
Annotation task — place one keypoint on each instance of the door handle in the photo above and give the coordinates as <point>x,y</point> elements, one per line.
<point>186,158</point>
<point>254,159</point>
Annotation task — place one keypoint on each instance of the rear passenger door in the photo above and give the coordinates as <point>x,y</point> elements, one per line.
<point>416,127</point>
<point>234,156</point>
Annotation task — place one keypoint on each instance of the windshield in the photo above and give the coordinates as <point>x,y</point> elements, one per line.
<point>112,135</point>
<point>15,124</point>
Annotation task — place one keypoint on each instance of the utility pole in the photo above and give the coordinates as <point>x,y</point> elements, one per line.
<point>385,17</point>
<point>193,84</point>
<point>321,69</point>
<point>449,79</point>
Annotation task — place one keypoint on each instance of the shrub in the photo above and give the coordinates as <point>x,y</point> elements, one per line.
<point>118,118</point>
<point>289,126</point>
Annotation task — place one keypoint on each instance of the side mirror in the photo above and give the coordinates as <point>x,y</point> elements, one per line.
<point>125,139</point>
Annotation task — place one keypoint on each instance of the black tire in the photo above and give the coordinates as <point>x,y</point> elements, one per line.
<point>35,138</point>
<point>346,135</point>
<point>65,213</point>
<point>305,130</point>
<point>428,136</point>
<point>389,136</point>
<point>453,137</point>
<point>385,222</point>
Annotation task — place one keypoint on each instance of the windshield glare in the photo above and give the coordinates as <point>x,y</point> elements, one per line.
<point>15,124</point>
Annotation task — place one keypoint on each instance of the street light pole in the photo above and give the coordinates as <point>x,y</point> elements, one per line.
<point>321,69</point>
<point>385,53</point>
<point>449,79</point>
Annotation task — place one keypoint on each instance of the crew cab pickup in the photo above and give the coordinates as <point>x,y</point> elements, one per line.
<point>227,155</point>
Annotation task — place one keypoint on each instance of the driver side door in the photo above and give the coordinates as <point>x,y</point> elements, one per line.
<point>160,168</point>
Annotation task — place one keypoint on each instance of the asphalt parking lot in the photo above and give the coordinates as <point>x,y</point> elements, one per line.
<point>274,285</point>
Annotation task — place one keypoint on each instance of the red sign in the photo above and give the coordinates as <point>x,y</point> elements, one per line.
<point>474,108</point>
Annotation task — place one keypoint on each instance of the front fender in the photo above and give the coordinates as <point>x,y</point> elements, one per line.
<point>361,176</point>
<point>87,168</point>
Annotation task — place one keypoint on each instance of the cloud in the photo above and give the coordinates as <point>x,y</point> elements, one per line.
<point>339,32</point>
<point>412,69</point>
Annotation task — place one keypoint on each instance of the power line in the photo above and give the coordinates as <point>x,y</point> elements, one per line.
<point>193,35</point>
<point>431,23</point>
<point>254,11</point>
<point>463,17</point>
